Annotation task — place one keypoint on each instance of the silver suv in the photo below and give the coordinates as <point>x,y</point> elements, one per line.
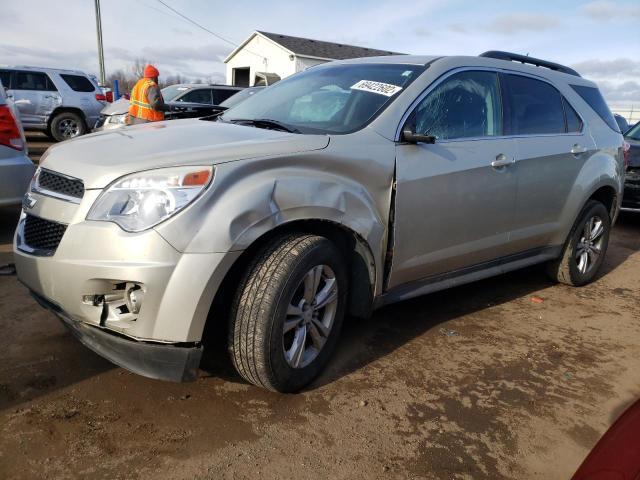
<point>63,103</point>
<point>350,186</point>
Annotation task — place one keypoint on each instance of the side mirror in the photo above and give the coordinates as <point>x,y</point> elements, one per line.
<point>408,135</point>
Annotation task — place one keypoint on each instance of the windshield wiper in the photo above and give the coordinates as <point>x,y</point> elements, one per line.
<point>266,123</point>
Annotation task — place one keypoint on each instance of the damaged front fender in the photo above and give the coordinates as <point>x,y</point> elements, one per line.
<point>251,198</point>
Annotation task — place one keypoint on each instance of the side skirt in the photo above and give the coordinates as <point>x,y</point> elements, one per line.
<point>467,275</point>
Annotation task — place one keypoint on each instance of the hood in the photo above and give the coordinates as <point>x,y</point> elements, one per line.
<point>119,107</point>
<point>100,158</point>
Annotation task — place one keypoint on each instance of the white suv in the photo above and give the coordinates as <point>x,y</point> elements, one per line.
<point>63,103</point>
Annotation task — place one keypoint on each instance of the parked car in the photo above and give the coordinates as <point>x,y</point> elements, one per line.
<point>62,103</point>
<point>622,122</point>
<point>631,198</point>
<point>186,101</point>
<point>615,456</point>
<point>16,169</point>
<point>349,186</point>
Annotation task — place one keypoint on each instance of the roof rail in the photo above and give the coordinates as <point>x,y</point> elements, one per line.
<point>514,57</point>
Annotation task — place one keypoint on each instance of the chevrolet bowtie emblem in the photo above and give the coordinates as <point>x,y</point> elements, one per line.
<point>28,202</point>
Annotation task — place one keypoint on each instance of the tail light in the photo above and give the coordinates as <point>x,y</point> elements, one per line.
<point>9,131</point>
<point>626,149</point>
<point>101,97</point>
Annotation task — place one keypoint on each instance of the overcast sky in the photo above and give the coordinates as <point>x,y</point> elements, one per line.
<point>599,38</point>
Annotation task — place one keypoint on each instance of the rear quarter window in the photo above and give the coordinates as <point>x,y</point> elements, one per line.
<point>78,83</point>
<point>593,97</point>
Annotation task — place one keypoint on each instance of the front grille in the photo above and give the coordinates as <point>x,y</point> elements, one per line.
<point>53,182</point>
<point>42,234</point>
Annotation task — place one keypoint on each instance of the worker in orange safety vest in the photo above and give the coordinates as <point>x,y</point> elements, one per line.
<point>146,103</point>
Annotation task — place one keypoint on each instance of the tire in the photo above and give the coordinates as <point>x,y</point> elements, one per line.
<point>570,268</point>
<point>271,294</point>
<point>67,125</point>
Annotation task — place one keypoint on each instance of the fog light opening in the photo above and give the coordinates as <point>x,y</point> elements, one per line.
<point>134,297</point>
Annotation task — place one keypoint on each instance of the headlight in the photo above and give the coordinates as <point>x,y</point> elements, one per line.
<point>141,200</point>
<point>117,119</point>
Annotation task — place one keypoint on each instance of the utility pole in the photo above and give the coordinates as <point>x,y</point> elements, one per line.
<point>100,50</point>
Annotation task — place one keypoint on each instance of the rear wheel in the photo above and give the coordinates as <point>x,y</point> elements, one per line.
<point>288,311</point>
<point>67,125</point>
<point>584,250</point>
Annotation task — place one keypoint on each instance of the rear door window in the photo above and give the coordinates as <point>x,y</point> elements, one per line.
<point>78,83</point>
<point>220,95</point>
<point>594,98</point>
<point>33,81</point>
<point>5,78</point>
<point>534,107</point>
<point>200,95</point>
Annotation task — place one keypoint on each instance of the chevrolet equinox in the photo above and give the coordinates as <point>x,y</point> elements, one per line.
<point>349,186</point>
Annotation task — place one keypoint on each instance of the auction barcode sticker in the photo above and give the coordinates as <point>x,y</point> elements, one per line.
<point>385,89</point>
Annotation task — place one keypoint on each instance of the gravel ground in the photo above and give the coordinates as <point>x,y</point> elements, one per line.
<point>511,377</point>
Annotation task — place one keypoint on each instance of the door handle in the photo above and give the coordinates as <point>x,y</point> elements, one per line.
<point>578,149</point>
<point>502,161</point>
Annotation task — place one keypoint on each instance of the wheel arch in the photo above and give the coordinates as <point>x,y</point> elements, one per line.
<point>358,255</point>
<point>62,109</point>
<point>357,252</point>
<point>607,195</point>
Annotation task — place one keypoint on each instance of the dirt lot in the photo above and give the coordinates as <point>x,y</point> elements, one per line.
<point>477,382</point>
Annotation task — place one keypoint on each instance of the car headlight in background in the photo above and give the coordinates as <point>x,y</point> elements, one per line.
<point>117,119</point>
<point>141,200</point>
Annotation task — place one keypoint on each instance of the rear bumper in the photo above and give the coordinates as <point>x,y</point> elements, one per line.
<point>15,175</point>
<point>173,362</point>
<point>631,196</point>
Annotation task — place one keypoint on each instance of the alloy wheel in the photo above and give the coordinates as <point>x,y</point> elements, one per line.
<point>310,316</point>
<point>589,247</point>
<point>69,128</point>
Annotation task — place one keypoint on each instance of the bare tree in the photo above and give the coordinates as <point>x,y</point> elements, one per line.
<point>126,81</point>
<point>138,66</point>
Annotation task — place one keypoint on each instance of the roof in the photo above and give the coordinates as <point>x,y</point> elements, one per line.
<point>456,61</point>
<point>46,69</point>
<point>205,85</point>
<point>307,47</point>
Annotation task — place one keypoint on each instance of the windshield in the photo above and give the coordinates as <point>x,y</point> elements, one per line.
<point>171,92</point>
<point>328,99</point>
<point>634,133</point>
<point>242,95</point>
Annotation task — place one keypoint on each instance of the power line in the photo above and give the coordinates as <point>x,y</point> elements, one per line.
<point>197,24</point>
<point>220,37</point>
<point>159,10</point>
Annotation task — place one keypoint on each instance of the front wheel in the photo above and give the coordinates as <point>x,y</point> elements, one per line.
<point>287,313</point>
<point>585,248</point>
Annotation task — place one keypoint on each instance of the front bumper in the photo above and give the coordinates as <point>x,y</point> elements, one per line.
<point>177,363</point>
<point>88,276</point>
